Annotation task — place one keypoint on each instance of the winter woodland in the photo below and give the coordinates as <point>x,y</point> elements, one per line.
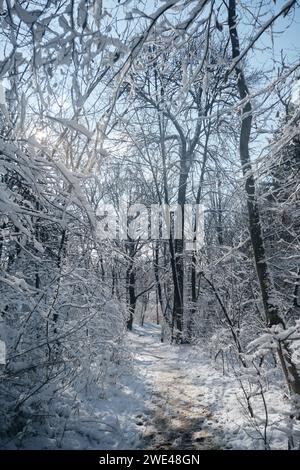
<point>149,224</point>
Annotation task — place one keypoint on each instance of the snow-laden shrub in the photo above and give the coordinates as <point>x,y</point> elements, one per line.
<point>62,330</point>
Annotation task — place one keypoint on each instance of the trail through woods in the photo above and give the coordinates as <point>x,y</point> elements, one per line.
<point>192,402</point>
<point>176,417</point>
<point>165,397</point>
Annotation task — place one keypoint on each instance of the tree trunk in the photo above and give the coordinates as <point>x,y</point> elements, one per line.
<point>175,248</point>
<point>178,298</point>
<point>263,274</point>
<point>159,298</point>
<point>271,310</point>
<point>194,290</point>
<point>130,279</point>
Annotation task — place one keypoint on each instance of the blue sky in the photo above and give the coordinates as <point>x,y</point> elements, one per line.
<point>286,35</point>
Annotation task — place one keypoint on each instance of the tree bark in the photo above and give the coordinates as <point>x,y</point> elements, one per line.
<point>194,290</point>
<point>130,278</point>
<point>266,287</point>
<point>270,309</point>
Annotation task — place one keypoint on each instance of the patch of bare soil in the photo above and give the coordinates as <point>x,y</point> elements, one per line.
<point>177,417</point>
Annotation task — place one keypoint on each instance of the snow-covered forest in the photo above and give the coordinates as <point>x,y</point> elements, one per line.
<point>149,224</point>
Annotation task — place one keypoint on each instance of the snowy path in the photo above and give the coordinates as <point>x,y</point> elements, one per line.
<point>175,417</point>
<point>166,397</point>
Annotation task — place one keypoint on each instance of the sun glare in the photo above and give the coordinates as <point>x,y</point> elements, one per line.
<point>40,135</point>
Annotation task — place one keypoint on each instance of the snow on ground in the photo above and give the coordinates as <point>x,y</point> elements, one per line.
<point>192,404</point>
<point>89,416</point>
<point>175,415</point>
<point>169,397</point>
